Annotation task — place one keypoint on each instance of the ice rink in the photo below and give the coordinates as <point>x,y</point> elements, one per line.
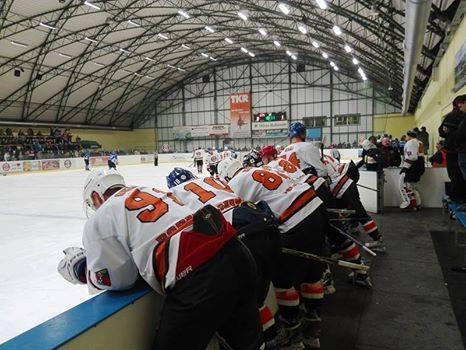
<point>40,215</point>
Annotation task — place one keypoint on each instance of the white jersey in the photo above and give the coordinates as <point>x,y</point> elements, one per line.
<point>124,234</point>
<point>284,166</point>
<point>199,192</point>
<point>213,158</point>
<point>226,154</point>
<point>304,155</point>
<point>198,154</point>
<point>337,173</point>
<point>412,151</point>
<point>289,201</point>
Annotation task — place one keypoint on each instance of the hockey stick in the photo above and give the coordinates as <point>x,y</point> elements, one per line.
<point>354,240</point>
<point>341,211</point>
<point>324,259</point>
<point>367,188</point>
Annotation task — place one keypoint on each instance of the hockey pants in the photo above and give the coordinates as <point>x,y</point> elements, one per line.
<point>410,197</point>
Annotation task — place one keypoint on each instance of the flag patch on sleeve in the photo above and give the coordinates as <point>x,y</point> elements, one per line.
<point>103,278</point>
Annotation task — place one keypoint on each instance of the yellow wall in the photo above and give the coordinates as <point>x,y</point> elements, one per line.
<point>393,124</point>
<point>439,94</point>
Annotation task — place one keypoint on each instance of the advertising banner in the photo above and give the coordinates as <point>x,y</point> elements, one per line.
<point>460,68</point>
<point>281,124</point>
<point>240,115</point>
<point>32,165</point>
<point>103,160</point>
<point>190,132</point>
<point>52,164</point>
<point>270,133</point>
<point>12,167</point>
<point>314,134</point>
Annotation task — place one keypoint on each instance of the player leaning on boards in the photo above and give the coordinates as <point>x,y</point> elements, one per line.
<point>194,259</point>
<point>302,225</point>
<point>307,157</point>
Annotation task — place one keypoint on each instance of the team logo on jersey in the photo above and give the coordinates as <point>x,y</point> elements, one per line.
<point>103,278</point>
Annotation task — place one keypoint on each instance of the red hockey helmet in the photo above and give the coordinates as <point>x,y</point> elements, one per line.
<point>269,151</point>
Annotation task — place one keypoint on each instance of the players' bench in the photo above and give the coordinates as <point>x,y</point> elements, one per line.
<point>461,220</point>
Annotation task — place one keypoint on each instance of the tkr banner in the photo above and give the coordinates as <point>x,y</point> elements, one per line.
<point>240,115</point>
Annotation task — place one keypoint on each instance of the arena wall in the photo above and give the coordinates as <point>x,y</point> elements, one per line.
<point>393,124</point>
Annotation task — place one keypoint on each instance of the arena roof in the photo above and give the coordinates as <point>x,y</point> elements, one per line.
<point>104,62</point>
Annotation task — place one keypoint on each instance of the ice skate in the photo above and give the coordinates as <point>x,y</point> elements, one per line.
<point>377,246</point>
<point>327,281</point>
<point>360,279</point>
<point>311,327</point>
<point>289,335</point>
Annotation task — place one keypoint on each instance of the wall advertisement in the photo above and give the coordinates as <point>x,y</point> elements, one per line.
<point>51,164</point>
<point>196,131</point>
<point>460,68</point>
<point>240,115</point>
<point>281,124</point>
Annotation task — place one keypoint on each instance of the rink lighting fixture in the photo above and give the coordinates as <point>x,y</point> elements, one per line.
<point>284,8</point>
<point>184,46</point>
<point>322,4</point>
<point>64,55</point>
<point>243,16</point>
<point>137,74</point>
<point>337,30</point>
<point>150,59</point>
<point>244,50</point>
<point>332,63</point>
<point>91,40</point>
<point>184,14</point>
<point>336,68</point>
<point>212,58</point>
<point>229,41</point>
<point>262,31</point>
<point>99,64</point>
<point>288,53</point>
<point>90,4</point>
<point>294,57</point>
<point>277,43</point>
<point>163,36</point>
<point>315,44</point>
<point>124,51</point>
<point>302,28</point>
<point>324,55</point>
<point>170,66</point>
<point>149,77</point>
<point>16,43</point>
<point>203,54</point>
<point>130,22</point>
<point>181,69</point>
<point>209,29</point>
<point>348,48</point>
<point>251,54</point>
<point>47,26</point>
<point>355,61</point>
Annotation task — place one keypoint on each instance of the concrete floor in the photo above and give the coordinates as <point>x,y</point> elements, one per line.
<point>409,307</point>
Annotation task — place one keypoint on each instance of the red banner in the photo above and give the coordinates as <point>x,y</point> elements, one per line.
<point>50,164</point>
<point>240,115</point>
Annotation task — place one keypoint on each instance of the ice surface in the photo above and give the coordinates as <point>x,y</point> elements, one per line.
<point>40,215</point>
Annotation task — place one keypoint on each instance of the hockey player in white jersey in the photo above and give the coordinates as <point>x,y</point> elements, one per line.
<point>213,158</point>
<point>303,154</point>
<point>198,156</point>
<point>192,258</point>
<point>412,169</point>
<point>226,153</point>
<point>302,224</point>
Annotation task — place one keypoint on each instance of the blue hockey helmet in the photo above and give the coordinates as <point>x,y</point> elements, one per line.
<point>297,129</point>
<point>179,175</point>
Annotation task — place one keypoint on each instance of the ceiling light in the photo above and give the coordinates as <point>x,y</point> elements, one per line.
<point>149,77</point>
<point>262,31</point>
<point>170,66</point>
<point>137,74</point>
<point>277,43</point>
<point>64,55</point>
<point>348,48</point>
<point>364,78</point>
<point>284,8</point>
<point>315,44</point>
<point>181,69</point>
<point>124,51</point>
<point>184,46</point>
<point>209,29</point>
<point>212,58</point>
<point>288,53</point>
<point>336,68</point>
<point>150,59</point>
<point>294,57</point>
<point>302,28</point>
<point>324,55</point>
<point>203,54</point>
<point>184,14</point>
<point>95,7</point>
<point>89,39</point>
<point>251,54</point>
<point>332,63</point>
<point>99,64</point>
<point>15,43</point>
<point>163,36</point>
<point>322,4</point>
<point>337,30</point>
<point>243,16</point>
<point>47,26</point>
<point>355,61</point>
<point>130,22</point>
<point>244,50</point>
<point>229,41</point>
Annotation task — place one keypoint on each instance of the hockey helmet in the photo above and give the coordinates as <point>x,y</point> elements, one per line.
<point>228,167</point>
<point>412,133</point>
<point>297,129</point>
<point>178,176</point>
<point>366,145</point>
<point>253,159</point>
<point>269,151</point>
<point>100,181</point>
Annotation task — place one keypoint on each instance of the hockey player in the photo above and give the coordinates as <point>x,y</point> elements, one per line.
<point>256,224</point>
<point>86,157</point>
<point>412,169</point>
<point>207,275</point>
<point>226,153</point>
<point>252,159</point>
<point>213,158</point>
<point>112,160</point>
<point>302,224</point>
<point>198,156</point>
<point>303,154</point>
<point>371,157</point>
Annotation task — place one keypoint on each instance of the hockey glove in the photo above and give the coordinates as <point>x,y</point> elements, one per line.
<point>73,266</point>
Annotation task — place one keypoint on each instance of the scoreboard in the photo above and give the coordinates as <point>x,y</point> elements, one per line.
<point>270,117</point>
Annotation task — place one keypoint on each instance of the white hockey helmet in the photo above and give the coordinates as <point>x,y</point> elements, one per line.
<point>100,181</point>
<point>228,167</point>
<point>366,144</point>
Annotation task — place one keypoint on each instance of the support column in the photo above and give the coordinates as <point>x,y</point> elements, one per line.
<point>215,106</point>
<point>183,117</point>
<point>331,107</point>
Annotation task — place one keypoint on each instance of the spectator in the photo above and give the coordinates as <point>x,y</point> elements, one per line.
<point>370,156</point>
<point>449,130</point>
<point>30,132</point>
<point>8,132</point>
<point>390,155</point>
<point>6,156</point>
<point>439,159</point>
<point>423,136</point>
<point>461,136</point>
